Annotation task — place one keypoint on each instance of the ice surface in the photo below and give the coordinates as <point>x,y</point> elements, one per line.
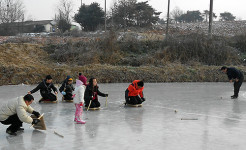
<point>220,126</point>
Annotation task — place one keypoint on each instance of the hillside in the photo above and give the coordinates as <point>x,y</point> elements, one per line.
<point>29,63</point>
<point>121,57</point>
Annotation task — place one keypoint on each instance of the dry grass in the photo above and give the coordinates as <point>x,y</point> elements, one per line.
<point>110,60</point>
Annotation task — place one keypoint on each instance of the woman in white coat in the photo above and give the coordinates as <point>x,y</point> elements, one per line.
<point>79,101</point>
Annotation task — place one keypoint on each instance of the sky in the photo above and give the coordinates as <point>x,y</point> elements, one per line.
<point>45,9</point>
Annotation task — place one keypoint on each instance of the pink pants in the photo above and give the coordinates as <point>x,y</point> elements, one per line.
<point>78,112</point>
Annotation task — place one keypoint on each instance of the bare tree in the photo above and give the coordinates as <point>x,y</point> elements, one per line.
<point>63,16</point>
<point>176,13</point>
<point>11,11</point>
<point>65,8</point>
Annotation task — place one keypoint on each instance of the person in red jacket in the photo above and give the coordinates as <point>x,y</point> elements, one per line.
<point>134,93</point>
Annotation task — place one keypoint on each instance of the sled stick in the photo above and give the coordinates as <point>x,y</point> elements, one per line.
<point>189,118</point>
<point>56,96</point>
<point>106,102</point>
<point>54,132</point>
<point>58,134</point>
<point>37,118</point>
<point>89,105</point>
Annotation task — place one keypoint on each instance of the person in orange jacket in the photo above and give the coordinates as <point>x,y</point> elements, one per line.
<point>134,93</point>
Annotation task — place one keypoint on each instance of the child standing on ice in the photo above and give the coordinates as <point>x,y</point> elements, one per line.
<point>79,101</point>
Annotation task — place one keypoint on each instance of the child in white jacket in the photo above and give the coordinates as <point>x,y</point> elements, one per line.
<point>79,101</point>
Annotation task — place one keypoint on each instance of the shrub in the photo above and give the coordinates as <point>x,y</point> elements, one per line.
<point>200,48</point>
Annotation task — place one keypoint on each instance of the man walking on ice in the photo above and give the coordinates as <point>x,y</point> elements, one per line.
<point>237,76</point>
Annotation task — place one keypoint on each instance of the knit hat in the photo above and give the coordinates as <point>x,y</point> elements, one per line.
<point>78,83</point>
<point>68,77</point>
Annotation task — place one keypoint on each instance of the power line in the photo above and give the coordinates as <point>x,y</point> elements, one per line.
<point>105,19</point>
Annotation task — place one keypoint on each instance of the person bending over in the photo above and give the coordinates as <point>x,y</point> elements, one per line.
<point>13,113</point>
<point>237,76</point>
<point>134,93</point>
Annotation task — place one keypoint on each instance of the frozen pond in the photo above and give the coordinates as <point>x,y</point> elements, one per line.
<point>219,122</point>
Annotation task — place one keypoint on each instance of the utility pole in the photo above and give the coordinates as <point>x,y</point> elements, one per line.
<point>210,18</point>
<point>81,4</point>
<point>124,15</point>
<point>168,11</point>
<point>105,19</point>
<point>112,18</point>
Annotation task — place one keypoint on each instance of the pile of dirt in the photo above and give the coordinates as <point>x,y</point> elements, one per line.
<point>22,63</point>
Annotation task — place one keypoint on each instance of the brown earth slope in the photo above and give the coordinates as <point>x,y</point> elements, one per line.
<point>29,64</point>
<point>22,63</point>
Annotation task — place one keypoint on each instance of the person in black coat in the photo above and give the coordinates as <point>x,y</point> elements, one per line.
<point>67,89</point>
<point>45,89</point>
<point>64,83</point>
<point>237,76</point>
<point>91,94</point>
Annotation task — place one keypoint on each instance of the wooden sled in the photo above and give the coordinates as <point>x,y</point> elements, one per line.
<point>138,105</point>
<point>41,125</point>
<point>68,101</point>
<point>95,108</point>
<point>45,101</point>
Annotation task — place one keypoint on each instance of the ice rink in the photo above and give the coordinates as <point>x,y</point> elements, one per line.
<point>212,121</point>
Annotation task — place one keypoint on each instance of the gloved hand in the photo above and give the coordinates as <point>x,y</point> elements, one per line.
<point>81,104</point>
<point>63,93</point>
<point>106,95</point>
<point>35,121</point>
<point>143,99</point>
<point>37,114</point>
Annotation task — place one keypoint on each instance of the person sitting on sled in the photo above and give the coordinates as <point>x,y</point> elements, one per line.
<point>91,94</point>
<point>133,92</point>
<point>67,89</point>
<point>45,89</point>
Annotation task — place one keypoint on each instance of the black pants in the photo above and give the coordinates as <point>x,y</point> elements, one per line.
<point>237,86</point>
<point>94,103</point>
<point>132,99</point>
<point>49,96</point>
<point>68,96</point>
<point>14,122</point>
<point>126,95</point>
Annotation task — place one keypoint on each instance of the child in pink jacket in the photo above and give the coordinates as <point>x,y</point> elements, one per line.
<point>79,101</point>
